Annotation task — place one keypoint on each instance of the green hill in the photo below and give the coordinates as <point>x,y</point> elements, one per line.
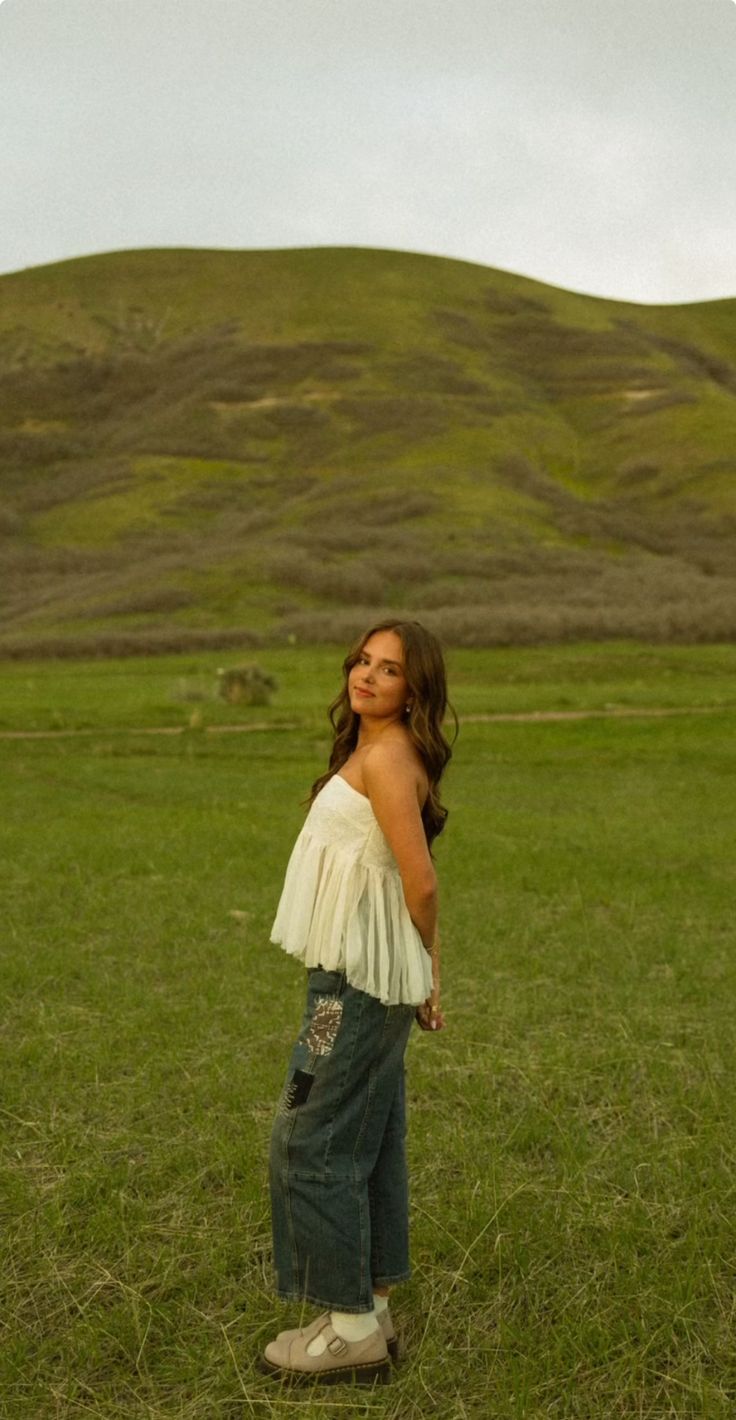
<point>243,445</point>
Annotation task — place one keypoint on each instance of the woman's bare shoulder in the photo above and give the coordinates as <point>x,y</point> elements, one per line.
<point>395,757</point>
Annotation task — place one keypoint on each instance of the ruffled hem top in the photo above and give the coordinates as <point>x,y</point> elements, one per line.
<point>342,906</point>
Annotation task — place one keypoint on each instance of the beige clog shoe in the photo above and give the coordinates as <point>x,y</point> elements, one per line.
<point>385,1322</point>
<point>341,1363</point>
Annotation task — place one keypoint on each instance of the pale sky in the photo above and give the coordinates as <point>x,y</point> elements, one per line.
<point>586,143</point>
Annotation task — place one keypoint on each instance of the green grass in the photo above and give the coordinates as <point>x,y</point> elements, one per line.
<point>167,690</point>
<point>184,419</point>
<point>155,488</point>
<point>571,1132</point>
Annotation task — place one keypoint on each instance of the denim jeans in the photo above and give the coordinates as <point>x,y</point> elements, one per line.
<point>339,1197</point>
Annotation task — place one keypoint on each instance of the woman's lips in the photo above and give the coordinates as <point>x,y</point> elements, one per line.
<point>359,691</point>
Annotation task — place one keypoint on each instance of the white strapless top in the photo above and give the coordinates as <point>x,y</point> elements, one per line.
<point>342,906</point>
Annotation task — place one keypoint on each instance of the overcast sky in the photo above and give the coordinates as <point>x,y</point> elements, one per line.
<point>586,143</point>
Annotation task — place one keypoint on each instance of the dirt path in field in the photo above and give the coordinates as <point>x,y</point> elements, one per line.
<point>615,712</point>
<point>611,712</point>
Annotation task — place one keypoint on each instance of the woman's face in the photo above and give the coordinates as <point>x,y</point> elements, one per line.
<point>377,686</point>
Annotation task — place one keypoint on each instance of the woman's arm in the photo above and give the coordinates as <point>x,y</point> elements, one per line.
<point>390,778</point>
<point>391,781</point>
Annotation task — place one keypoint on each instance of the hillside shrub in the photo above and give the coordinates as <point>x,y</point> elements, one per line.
<point>246,685</point>
<point>674,619</point>
<point>340,581</point>
<point>27,450</point>
<point>119,644</point>
<point>11,522</point>
<point>431,374</point>
<point>386,414</point>
<point>143,600</point>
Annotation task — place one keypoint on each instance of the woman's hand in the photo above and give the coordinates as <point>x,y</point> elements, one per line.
<point>428,1015</point>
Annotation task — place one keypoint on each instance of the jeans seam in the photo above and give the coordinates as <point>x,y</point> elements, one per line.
<point>340,1095</point>
<point>287,1130</point>
<point>365,1234</point>
<point>370,1092</point>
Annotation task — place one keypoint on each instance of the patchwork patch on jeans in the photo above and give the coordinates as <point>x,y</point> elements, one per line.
<point>324,1025</point>
<point>296,1092</point>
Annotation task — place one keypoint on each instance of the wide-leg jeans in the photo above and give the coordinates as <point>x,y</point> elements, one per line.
<point>339,1193</point>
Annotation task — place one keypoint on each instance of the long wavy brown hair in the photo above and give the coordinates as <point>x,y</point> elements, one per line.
<point>424,668</point>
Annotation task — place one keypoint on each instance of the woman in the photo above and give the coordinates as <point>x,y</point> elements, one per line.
<point>359,908</point>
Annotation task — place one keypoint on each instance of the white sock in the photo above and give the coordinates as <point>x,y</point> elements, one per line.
<point>351,1326</point>
<point>380,1304</point>
<point>354,1326</point>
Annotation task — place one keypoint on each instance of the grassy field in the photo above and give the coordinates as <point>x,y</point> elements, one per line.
<point>166,691</point>
<point>202,443</point>
<point>571,1133</point>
